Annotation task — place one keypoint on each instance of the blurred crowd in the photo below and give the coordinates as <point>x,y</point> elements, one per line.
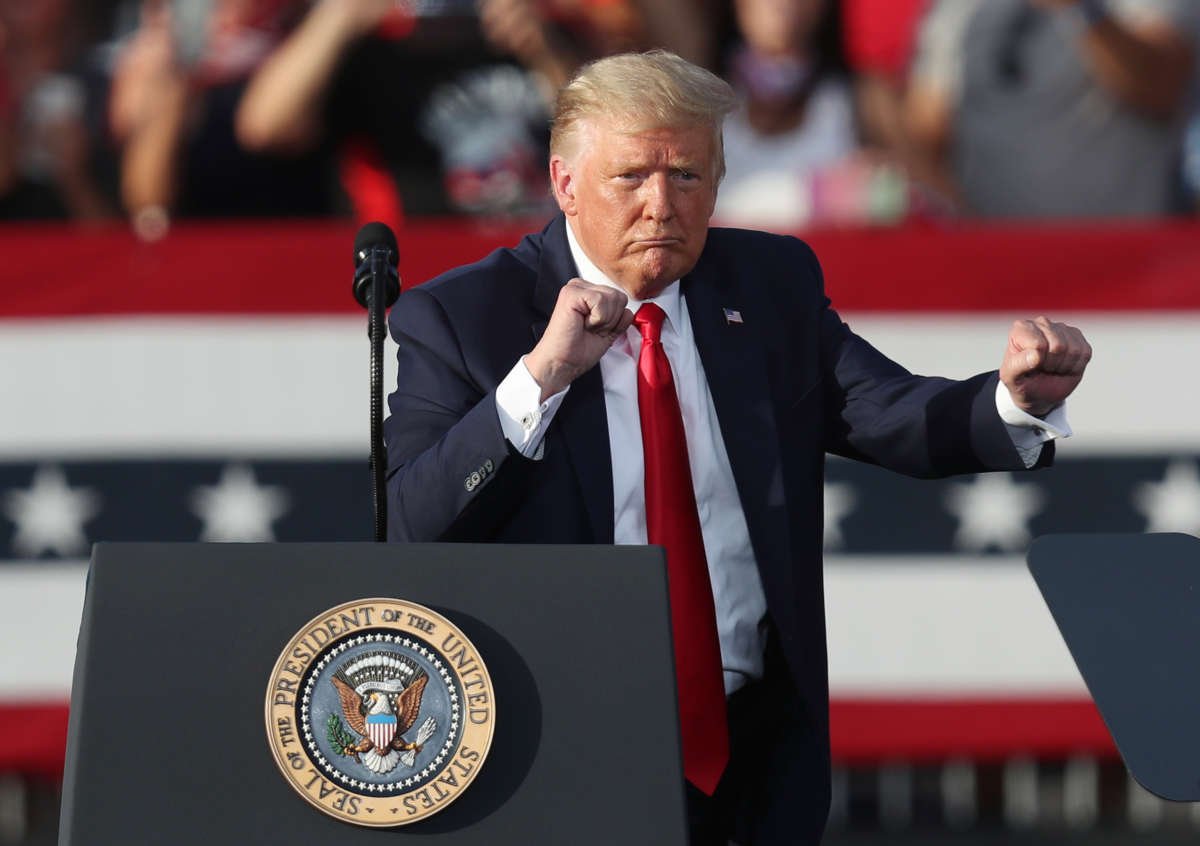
<point>852,111</point>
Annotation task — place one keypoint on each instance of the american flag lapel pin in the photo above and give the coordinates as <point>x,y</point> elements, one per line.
<point>732,315</point>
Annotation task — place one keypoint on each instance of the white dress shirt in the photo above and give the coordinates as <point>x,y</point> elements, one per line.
<point>738,595</point>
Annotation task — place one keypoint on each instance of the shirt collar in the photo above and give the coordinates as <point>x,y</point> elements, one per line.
<point>668,300</point>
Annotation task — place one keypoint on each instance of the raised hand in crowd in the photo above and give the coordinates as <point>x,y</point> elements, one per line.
<point>519,28</point>
<point>147,109</point>
<point>1145,62</point>
<point>175,92</point>
<point>554,38</point>
<point>283,106</point>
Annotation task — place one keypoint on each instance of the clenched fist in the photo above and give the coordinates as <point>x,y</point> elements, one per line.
<point>587,319</point>
<point>1043,364</point>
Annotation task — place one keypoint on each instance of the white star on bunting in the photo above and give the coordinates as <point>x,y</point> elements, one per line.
<point>1172,505</point>
<point>993,511</point>
<point>237,508</point>
<point>50,515</point>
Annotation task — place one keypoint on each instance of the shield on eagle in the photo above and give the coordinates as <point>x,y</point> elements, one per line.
<point>380,693</point>
<point>381,728</point>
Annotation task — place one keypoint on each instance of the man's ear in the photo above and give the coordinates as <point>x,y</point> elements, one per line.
<point>562,181</point>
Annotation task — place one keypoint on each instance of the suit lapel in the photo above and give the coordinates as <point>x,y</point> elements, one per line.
<point>735,367</point>
<point>581,419</point>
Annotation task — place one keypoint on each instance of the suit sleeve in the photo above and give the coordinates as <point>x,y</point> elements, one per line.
<point>451,472</point>
<point>928,427</point>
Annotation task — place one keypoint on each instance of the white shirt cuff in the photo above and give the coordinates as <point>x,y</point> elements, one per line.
<point>1029,433</point>
<point>523,419</point>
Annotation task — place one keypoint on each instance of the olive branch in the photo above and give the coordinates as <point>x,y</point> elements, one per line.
<point>339,738</point>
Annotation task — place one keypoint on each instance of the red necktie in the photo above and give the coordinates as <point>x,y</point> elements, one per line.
<point>672,522</point>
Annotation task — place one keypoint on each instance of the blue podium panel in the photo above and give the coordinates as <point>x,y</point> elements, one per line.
<point>1128,607</point>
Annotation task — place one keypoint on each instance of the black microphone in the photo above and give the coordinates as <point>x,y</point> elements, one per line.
<point>376,254</point>
<point>376,287</point>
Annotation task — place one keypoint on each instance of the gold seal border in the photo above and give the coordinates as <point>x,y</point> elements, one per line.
<point>349,806</point>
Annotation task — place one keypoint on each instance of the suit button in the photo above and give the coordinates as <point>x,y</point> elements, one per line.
<point>476,479</point>
<point>488,466</point>
<point>469,485</point>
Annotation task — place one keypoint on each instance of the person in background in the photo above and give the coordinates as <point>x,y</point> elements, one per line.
<point>176,83</point>
<point>1054,108</point>
<point>1191,164</point>
<point>452,103</point>
<point>45,149</point>
<point>553,38</point>
<point>443,124</point>
<point>792,148</point>
<point>880,37</point>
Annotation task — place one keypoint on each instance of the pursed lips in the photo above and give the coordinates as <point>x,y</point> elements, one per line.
<point>656,242</point>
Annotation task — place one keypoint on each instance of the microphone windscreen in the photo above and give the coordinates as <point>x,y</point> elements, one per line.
<point>375,234</point>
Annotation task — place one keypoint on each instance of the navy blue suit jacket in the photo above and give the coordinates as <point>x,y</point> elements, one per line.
<point>790,383</point>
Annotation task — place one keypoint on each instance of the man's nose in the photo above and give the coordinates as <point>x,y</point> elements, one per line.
<point>659,202</point>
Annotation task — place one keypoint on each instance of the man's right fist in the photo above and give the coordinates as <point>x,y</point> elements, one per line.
<point>587,319</point>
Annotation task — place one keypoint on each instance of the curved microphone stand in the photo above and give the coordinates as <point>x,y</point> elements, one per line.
<point>376,287</point>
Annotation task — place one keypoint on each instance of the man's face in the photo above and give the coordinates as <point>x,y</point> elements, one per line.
<point>639,202</point>
<point>778,27</point>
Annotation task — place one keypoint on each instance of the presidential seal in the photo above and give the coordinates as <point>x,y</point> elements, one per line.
<point>380,712</point>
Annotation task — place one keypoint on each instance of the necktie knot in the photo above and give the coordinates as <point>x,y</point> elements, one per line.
<point>649,320</point>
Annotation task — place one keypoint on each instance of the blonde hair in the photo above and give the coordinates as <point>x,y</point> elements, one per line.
<point>641,91</point>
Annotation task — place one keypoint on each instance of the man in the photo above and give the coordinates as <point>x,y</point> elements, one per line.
<point>503,427</point>
<point>1054,108</point>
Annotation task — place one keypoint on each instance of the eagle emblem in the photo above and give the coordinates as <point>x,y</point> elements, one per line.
<point>380,693</point>
<point>370,722</point>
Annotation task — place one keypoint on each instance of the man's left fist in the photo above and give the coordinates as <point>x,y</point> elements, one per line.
<point>1043,363</point>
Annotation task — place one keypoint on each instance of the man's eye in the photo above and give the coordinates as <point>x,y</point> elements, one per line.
<point>686,175</point>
